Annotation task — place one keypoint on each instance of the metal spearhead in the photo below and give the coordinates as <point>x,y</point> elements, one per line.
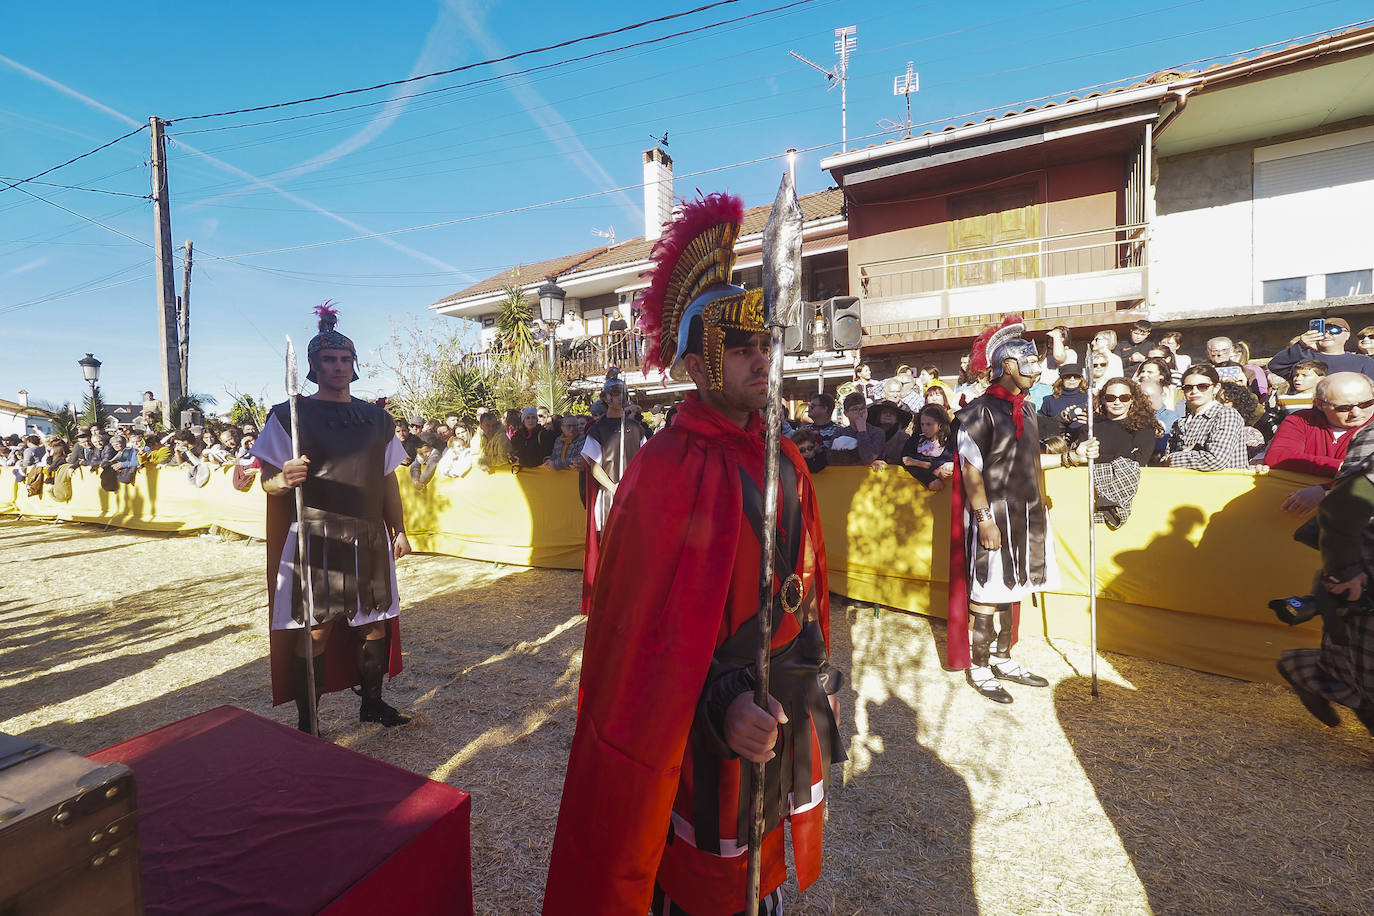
<point>782,255</point>
<point>292,386</point>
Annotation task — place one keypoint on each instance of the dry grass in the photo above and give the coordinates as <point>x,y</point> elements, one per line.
<point>1173,792</point>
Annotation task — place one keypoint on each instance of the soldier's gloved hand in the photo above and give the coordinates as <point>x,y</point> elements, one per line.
<point>294,472</point>
<point>751,732</point>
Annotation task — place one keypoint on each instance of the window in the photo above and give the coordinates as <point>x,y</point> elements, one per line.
<point>1290,289</point>
<point>1349,283</point>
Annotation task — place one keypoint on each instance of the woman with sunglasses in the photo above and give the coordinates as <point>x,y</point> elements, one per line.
<point>1364,341</point>
<point>1125,428</point>
<point>1210,436</point>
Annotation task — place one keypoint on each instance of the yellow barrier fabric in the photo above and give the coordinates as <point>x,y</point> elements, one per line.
<point>1185,581</point>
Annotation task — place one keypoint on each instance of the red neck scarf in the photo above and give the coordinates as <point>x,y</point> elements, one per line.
<point>1018,415</point>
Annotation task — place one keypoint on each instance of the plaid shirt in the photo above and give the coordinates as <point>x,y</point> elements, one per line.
<point>1209,440</point>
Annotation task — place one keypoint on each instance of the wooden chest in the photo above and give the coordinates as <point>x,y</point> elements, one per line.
<point>68,834</point>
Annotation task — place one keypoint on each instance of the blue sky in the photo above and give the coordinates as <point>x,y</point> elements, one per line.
<point>729,95</point>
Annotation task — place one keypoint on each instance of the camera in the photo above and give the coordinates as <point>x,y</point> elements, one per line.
<point>1295,610</point>
<point>1318,325</point>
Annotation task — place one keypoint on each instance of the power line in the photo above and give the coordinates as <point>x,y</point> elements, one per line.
<point>79,288</point>
<point>88,219</point>
<point>74,159</point>
<point>73,187</point>
<point>495,60</point>
<point>485,80</point>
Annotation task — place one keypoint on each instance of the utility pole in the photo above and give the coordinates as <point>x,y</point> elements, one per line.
<point>184,319</point>
<point>166,282</point>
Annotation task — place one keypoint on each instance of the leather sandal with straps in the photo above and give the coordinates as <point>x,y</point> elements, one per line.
<point>1011,671</point>
<point>985,683</point>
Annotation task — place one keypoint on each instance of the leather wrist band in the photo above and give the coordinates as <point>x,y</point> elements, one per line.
<point>982,515</point>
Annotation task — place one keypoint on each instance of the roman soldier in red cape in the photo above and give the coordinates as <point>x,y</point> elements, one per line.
<point>354,533</point>
<point>608,446</point>
<point>655,801</point>
<point>1001,545</point>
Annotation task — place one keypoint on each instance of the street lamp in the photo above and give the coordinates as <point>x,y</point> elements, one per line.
<point>90,370</point>
<point>551,299</point>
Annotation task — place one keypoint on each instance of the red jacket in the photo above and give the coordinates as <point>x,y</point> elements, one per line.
<point>1305,444</point>
<point>678,574</point>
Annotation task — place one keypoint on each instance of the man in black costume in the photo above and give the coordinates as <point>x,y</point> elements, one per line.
<point>354,533</point>
<point>1002,549</point>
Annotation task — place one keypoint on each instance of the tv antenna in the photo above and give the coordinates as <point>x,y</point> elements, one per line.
<point>904,85</point>
<point>661,141</point>
<point>838,75</point>
<point>608,234</point>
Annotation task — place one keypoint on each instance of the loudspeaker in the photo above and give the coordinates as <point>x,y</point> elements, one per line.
<point>192,418</point>
<point>844,322</point>
<point>796,337</point>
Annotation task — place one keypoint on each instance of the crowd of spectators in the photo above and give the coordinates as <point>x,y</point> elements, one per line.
<point>115,455</point>
<point>1152,405</point>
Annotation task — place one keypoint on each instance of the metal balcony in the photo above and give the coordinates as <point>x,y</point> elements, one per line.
<point>1047,277</point>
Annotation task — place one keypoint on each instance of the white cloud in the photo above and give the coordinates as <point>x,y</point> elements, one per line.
<point>25,268</point>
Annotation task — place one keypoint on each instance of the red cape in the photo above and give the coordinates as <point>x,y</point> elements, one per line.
<point>591,552</point>
<point>656,620</point>
<point>341,661</point>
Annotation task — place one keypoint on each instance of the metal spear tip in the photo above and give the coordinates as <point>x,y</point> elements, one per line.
<point>292,386</point>
<point>782,255</point>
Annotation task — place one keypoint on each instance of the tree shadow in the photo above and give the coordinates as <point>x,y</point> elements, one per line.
<point>1225,798</point>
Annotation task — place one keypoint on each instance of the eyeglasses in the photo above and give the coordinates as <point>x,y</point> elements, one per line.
<point>1367,337</point>
<point>1116,398</point>
<point>1346,408</point>
<point>1200,386</point>
<point>1335,330</point>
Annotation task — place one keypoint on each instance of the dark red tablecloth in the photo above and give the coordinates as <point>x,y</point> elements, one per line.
<point>238,814</point>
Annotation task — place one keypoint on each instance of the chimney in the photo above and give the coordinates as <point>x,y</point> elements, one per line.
<point>658,191</point>
<point>23,397</point>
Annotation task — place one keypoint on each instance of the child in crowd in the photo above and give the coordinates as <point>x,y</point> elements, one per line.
<point>812,450</point>
<point>927,455</point>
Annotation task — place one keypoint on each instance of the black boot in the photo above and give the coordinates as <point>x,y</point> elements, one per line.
<point>300,690</point>
<point>1002,666</point>
<point>1319,706</point>
<point>980,676</point>
<point>1365,713</point>
<point>372,664</point>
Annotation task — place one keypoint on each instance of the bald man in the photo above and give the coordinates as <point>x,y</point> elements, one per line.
<point>1314,441</point>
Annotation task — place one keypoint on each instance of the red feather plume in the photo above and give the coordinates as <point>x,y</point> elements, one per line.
<point>978,355</point>
<point>696,217</point>
<point>328,315</point>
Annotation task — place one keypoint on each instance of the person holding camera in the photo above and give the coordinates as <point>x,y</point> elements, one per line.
<point>1324,340</point>
<point>1341,671</point>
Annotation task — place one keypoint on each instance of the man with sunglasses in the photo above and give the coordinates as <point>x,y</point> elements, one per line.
<point>1314,441</point>
<point>1326,344</point>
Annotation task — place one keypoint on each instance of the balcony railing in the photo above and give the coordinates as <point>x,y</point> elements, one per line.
<point>578,358</point>
<point>1050,256</point>
<point>952,288</point>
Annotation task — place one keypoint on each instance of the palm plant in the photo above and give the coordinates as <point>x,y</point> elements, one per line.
<point>515,319</point>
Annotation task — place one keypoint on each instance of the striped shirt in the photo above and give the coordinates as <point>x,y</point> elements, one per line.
<point>1209,440</point>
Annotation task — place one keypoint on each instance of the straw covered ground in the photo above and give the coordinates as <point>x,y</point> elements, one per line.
<point>1174,792</point>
